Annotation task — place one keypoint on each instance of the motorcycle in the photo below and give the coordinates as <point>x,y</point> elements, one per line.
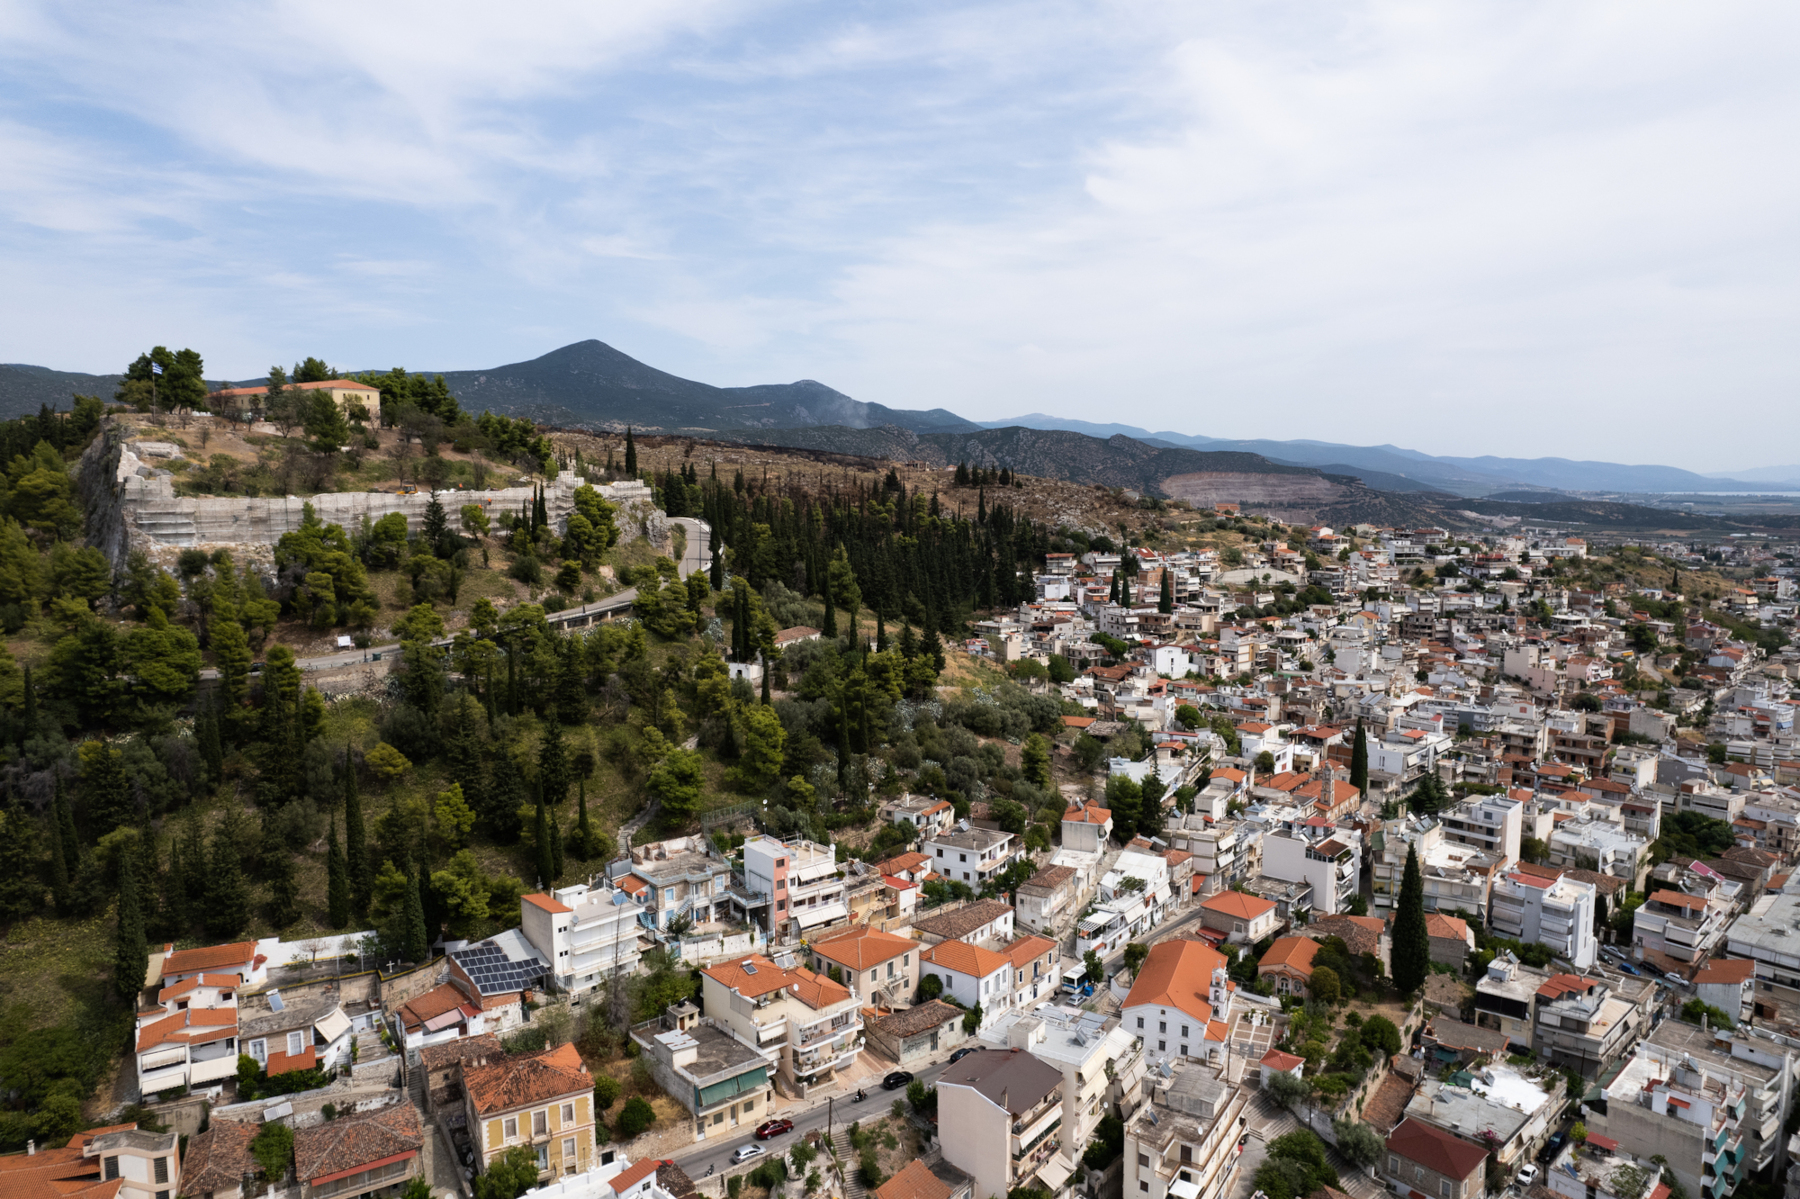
<point>860,1096</point>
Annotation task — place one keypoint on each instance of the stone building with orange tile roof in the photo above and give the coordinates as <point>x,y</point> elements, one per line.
<point>541,1100</point>
<point>360,1154</point>
<point>1289,962</point>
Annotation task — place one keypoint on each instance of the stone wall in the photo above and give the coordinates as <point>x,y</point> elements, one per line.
<point>132,505</point>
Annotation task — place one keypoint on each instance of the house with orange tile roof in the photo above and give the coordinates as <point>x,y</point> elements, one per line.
<point>241,958</point>
<point>1424,1160</point>
<point>817,1022</point>
<point>1289,964</point>
<point>972,976</point>
<point>1242,918</point>
<point>1452,940</point>
<point>360,1154</point>
<point>940,1180</point>
<point>119,1161</point>
<point>541,1100</point>
<point>1728,984</point>
<point>924,815</point>
<point>1178,1003</point>
<point>878,967</point>
<point>444,1013</point>
<point>218,1160</point>
<point>1086,827</point>
<point>189,1036</point>
<point>1037,965</point>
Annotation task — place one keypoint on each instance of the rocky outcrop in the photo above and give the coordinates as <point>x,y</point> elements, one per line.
<point>132,505</point>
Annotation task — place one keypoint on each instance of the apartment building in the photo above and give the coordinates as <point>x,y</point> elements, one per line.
<point>1517,1109</point>
<point>1713,1113</point>
<point>1328,859</point>
<point>1492,823</point>
<point>812,1023</point>
<point>999,1119</point>
<point>120,1161</point>
<point>190,1037</point>
<point>1049,899</point>
<point>1506,1000</point>
<point>800,884</point>
<point>541,1100</point>
<point>1559,912</point>
<point>971,855</point>
<point>1603,846</point>
<point>1686,927</point>
<point>986,922</point>
<point>1581,1025</point>
<point>725,1082</point>
<point>1215,846</point>
<point>1183,1143</point>
<point>973,976</point>
<point>1102,1067</point>
<point>1457,875</point>
<point>683,877</point>
<point>586,934</point>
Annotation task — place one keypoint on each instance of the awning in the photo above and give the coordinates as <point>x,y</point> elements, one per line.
<point>444,1020</point>
<point>1054,1172</point>
<point>332,1025</point>
<point>823,914</point>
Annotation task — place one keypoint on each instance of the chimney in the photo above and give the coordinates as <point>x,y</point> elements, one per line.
<point>30,1148</point>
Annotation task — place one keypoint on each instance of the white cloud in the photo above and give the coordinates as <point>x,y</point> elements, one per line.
<point>1515,228</point>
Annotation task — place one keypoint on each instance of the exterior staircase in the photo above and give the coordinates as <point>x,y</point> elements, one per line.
<point>851,1162</point>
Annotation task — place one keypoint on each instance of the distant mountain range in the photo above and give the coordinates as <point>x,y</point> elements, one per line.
<point>590,384</point>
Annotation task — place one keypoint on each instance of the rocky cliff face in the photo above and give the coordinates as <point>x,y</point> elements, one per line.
<point>131,505</point>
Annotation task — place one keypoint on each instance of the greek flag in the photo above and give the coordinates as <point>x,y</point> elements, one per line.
<point>156,368</point>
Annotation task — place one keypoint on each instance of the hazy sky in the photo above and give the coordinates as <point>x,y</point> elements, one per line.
<point>1515,228</point>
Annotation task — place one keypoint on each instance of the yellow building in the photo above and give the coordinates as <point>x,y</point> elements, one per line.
<point>542,1100</point>
<point>345,393</point>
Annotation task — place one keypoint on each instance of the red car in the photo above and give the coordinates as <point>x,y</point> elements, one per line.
<point>773,1128</point>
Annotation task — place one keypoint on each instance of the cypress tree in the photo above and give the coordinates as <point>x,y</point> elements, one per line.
<point>28,716</point>
<point>881,641</point>
<point>414,946</point>
<point>540,832</point>
<point>584,832</point>
<point>718,568</point>
<point>553,767</point>
<point>206,734</point>
<point>1112,592</point>
<point>176,913</point>
<point>765,683</point>
<point>59,868</point>
<point>227,895</point>
<point>1165,603</point>
<point>630,454</point>
<point>65,831</point>
<point>358,875</point>
<point>830,629</point>
<point>284,888</point>
<point>1359,760</point>
<point>337,882</point>
<point>131,956</point>
<point>1411,952</point>
<point>556,850</point>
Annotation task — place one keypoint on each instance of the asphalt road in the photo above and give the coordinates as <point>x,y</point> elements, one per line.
<point>698,554</point>
<point>716,1153</point>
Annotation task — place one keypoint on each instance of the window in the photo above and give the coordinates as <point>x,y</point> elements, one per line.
<point>259,1050</point>
<point>1161,1046</point>
<point>781,905</point>
<point>906,959</point>
<point>940,853</point>
<point>543,1157</point>
<point>962,857</point>
<point>873,974</point>
<point>568,1113</point>
<point>540,1123</point>
<point>890,966</point>
<point>1187,1153</point>
<point>294,1045</point>
<point>1142,1185</point>
<point>1444,1189</point>
<point>1140,1022</point>
<point>111,1168</point>
<point>1184,1049</point>
<point>512,1128</point>
<point>1184,1030</point>
<point>160,1168</point>
<point>1143,1159</point>
<point>568,1155</point>
<point>1393,1164</point>
<point>1162,1026</point>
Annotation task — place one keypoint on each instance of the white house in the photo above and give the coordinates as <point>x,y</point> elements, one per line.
<point>971,975</point>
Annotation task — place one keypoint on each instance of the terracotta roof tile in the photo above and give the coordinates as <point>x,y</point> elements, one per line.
<point>546,903</point>
<point>1238,905</point>
<point>863,947</point>
<point>513,1082</point>
<point>964,958</point>
<point>1435,1149</point>
<point>916,1181</point>
<point>1293,953</point>
<point>351,1143</point>
<point>1177,974</point>
<point>192,961</point>
<point>218,1159</point>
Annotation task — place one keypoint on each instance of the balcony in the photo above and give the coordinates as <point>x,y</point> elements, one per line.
<point>164,1079</point>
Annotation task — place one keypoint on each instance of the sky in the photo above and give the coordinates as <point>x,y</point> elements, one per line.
<point>1525,228</point>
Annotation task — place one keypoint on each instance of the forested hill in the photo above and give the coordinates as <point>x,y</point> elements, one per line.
<point>591,384</point>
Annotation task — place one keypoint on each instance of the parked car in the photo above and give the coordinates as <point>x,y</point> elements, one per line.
<point>896,1080</point>
<point>1675,979</point>
<point>772,1128</point>
<point>1551,1148</point>
<point>1527,1176</point>
<point>746,1153</point>
<point>960,1054</point>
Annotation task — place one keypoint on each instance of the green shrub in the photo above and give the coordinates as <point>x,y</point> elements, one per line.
<point>636,1117</point>
<point>606,1092</point>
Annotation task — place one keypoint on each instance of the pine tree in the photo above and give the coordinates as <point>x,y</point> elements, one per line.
<point>881,641</point>
<point>540,832</point>
<point>337,881</point>
<point>933,647</point>
<point>1411,951</point>
<point>359,876</point>
<point>131,955</point>
<point>630,455</point>
<point>1165,603</point>
<point>1359,760</point>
